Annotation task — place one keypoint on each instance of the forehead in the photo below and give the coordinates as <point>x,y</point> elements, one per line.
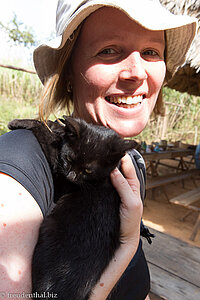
<point>109,22</point>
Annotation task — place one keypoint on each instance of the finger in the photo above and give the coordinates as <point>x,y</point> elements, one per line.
<point>127,167</point>
<point>131,207</point>
<point>120,183</point>
<point>130,197</point>
<point>129,173</point>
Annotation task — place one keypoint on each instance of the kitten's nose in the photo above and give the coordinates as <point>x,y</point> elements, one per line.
<point>71,175</point>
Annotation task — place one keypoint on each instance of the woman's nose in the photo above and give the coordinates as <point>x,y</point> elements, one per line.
<point>133,68</point>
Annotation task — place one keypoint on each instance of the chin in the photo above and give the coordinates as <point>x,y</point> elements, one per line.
<point>128,122</point>
<point>128,129</point>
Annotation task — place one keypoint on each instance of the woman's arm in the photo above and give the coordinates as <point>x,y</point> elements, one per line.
<point>128,188</point>
<point>20,219</point>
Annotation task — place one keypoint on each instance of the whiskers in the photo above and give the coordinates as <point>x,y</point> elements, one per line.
<point>59,167</point>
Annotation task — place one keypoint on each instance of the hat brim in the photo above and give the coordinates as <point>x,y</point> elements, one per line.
<point>180,31</point>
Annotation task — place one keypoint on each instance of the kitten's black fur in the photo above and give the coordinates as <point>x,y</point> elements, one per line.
<point>80,236</point>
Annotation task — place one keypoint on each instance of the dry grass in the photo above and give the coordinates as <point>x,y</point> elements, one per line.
<point>20,93</point>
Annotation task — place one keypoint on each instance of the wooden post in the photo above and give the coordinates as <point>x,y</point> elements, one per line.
<point>165,123</point>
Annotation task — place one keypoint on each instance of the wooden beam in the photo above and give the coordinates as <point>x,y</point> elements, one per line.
<point>174,267</point>
<point>17,69</point>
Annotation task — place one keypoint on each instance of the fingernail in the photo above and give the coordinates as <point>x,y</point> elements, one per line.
<point>115,171</point>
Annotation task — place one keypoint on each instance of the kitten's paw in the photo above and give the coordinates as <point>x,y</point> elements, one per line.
<point>23,124</point>
<point>15,124</point>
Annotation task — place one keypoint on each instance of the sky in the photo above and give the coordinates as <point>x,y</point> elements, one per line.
<point>37,14</point>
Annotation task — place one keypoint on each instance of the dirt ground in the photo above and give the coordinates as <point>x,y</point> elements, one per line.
<point>165,217</point>
<point>154,297</point>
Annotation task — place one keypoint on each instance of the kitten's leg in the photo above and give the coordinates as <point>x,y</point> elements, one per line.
<point>24,124</point>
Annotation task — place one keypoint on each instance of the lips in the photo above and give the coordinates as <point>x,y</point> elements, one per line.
<point>125,101</point>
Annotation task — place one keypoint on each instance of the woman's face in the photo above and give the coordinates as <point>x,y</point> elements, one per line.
<point>117,71</point>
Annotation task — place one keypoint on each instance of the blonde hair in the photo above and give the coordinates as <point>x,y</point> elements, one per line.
<point>56,95</point>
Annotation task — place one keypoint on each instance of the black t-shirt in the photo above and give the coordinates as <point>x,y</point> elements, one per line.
<point>22,158</point>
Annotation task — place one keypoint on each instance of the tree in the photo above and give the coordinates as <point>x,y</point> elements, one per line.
<point>19,33</point>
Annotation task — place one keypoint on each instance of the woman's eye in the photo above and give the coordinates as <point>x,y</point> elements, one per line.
<point>107,51</point>
<point>151,54</point>
<point>88,171</point>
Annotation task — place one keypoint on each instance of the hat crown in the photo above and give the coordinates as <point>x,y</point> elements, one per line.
<point>66,9</point>
<point>150,14</point>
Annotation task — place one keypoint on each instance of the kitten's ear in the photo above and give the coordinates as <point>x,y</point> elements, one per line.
<point>121,147</point>
<point>57,132</point>
<point>56,127</point>
<point>72,126</point>
<point>129,144</point>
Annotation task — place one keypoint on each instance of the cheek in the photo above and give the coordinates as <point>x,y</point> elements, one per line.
<point>100,77</point>
<point>89,83</point>
<point>156,78</point>
<point>157,75</point>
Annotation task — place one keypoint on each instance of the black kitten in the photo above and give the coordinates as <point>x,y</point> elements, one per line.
<point>80,236</point>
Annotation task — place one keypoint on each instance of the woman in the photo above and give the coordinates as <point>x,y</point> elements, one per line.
<point>197,156</point>
<point>112,61</point>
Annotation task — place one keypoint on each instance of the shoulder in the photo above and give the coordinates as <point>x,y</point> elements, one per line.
<point>22,158</point>
<point>20,150</point>
<point>18,142</point>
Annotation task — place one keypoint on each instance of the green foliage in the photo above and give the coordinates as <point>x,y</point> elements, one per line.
<point>19,85</point>
<point>11,108</point>
<point>20,93</point>
<point>19,33</point>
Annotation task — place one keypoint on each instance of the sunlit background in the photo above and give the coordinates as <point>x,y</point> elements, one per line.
<point>38,16</point>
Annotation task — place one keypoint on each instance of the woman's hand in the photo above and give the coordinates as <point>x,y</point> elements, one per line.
<point>128,188</point>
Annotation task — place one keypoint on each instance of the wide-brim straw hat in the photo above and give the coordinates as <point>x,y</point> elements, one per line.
<point>150,14</point>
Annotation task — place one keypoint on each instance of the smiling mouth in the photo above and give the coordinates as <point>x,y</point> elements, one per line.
<point>126,102</point>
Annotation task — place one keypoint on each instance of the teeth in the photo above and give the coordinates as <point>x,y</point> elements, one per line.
<point>126,100</point>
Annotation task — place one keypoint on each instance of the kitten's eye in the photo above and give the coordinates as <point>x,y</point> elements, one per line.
<point>88,171</point>
<point>68,158</point>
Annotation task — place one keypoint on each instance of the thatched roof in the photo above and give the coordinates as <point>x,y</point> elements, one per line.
<point>187,78</point>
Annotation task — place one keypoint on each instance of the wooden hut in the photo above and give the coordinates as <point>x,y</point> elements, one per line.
<point>187,78</point>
